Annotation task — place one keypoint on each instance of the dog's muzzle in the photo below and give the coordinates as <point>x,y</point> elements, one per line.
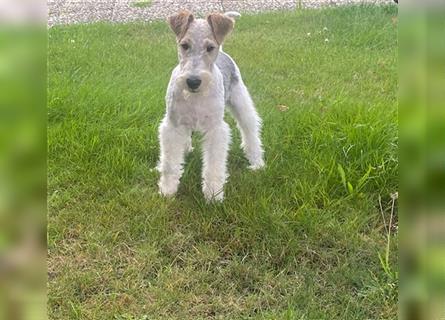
<point>193,83</point>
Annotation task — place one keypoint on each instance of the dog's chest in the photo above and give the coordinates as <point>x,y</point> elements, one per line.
<point>198,114</point>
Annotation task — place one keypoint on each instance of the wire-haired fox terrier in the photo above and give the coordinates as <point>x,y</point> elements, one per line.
<point>205,80</point>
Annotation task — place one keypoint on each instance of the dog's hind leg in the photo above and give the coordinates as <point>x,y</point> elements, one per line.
<point>188,144</point>
<point>249,124</point>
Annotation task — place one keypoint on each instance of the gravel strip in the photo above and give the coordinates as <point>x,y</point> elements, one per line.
<point>85,11</point>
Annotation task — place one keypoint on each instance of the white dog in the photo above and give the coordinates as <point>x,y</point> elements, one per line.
<point>205,80</point>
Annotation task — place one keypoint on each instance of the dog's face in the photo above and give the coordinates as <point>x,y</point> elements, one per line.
<point>198,46</point>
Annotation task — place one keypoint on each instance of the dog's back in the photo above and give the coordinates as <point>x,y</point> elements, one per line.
<point>229,70</point>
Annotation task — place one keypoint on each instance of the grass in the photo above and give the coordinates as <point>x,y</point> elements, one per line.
<point>303,239</point>
<point>142,4</point>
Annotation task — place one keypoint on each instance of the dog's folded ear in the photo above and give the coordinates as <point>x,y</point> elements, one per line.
<point>221,25</point>
<point>180,22</point>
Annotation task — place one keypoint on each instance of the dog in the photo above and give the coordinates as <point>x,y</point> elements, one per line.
<point>201,85</point>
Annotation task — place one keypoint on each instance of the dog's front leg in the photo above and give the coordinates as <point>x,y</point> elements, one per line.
<point>173,142</point>
<point>215,150</point>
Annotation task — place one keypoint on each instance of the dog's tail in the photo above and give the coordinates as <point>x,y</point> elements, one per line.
<point>231,14</point>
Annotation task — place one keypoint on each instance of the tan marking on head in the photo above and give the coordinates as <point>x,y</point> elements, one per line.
<point>221,25</point>
<point>180,23</point>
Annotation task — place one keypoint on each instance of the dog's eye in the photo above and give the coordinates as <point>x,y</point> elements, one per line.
<point>185,46</point>
<point>210,48</point>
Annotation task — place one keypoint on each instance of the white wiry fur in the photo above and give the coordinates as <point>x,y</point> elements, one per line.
<point>202,110</point>
<point>233,14</point>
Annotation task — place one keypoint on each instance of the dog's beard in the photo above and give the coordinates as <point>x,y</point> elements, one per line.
<point>202,90</point>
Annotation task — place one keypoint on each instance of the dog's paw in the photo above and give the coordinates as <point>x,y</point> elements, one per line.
<point>214,198</point>
<point>168,193</point>
<point>257,165</point>
<point>189,149</point>
<point>211,196</point>
<point>167,187</point>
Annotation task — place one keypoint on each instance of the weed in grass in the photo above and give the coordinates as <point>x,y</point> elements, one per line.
<point>385,259</point>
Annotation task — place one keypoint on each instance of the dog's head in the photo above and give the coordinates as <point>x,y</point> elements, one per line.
<point>198,42</point>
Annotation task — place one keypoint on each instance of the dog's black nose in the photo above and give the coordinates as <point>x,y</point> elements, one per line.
<point>193,83</point>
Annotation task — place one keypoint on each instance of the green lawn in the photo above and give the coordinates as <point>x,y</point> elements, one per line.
<point>298,240</point>
<point>142,3</point>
